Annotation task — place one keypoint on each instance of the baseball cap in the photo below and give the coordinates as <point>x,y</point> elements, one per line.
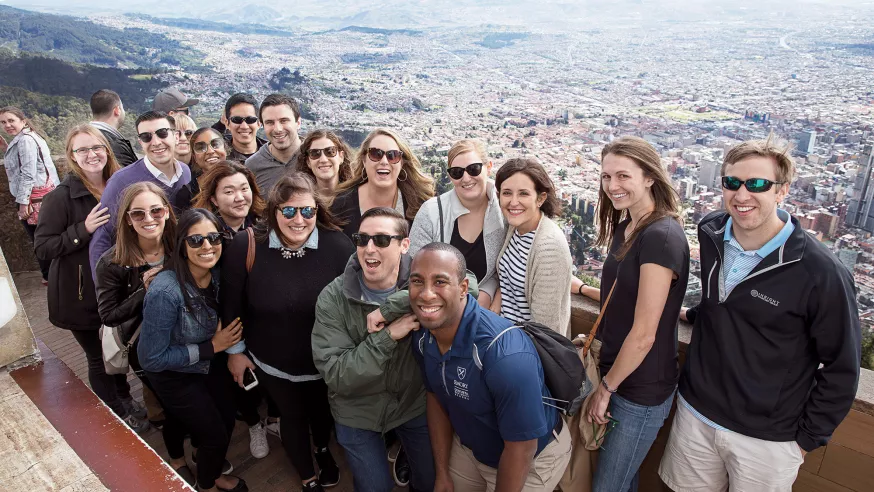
<point>170,99</point>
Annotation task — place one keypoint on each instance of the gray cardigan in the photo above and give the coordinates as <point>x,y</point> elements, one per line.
<point>548,275</point>
<point>426,229</point>
<point>24,168</point>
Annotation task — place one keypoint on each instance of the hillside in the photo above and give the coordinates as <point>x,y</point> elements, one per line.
<point>206,25</point>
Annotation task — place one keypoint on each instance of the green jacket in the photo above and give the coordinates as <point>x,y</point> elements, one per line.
<point>373,381</point>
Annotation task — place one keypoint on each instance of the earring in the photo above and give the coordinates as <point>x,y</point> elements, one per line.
<point>405,175</point>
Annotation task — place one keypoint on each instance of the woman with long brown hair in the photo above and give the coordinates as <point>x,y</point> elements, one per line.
<point>647,268</point>
<point>385,173</point>
<point>326,157</point>
<point>208,148</point>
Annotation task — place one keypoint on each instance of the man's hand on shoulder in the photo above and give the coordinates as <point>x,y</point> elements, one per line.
<point>403,326</point>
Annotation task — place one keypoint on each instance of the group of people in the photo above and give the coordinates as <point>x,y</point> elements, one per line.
<point>335,285</point>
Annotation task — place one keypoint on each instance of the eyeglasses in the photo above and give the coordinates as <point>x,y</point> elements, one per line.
<point>146,137</point>
<point>188,133</point>
<point>328,151</point>
<point>214,238</point>
<point>472,169</point>
<point>754,185</point>
<point>380,240</point>
<point>305,212</point>
<point>238,120</point>
<point>611,424</point>
<point>84,151</point>
<point>181,110</point>
<point>139,215</point>
<point>392,156</point>
<point>201,147</point>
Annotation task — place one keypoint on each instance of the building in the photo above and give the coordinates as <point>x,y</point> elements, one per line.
<point>860,213</point>
<point>806,142</point>
<point>848,257</point>
<point>709,173</point>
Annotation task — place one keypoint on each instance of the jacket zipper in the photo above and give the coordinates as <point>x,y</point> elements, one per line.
<point>778,265</point>
<point>443,375</point>
<point>80,282</point>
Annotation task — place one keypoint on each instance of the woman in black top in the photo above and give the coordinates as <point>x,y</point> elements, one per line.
<point>649,262</point>
<point>386,173</point>
<point>298,251</point>
<point>69,216</point>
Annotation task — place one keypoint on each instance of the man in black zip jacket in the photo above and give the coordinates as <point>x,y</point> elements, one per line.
<point>773,364</point>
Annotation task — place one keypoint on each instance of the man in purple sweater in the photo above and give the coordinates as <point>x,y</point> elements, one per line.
<point>158,136</point>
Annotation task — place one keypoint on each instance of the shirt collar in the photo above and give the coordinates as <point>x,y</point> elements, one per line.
<point>160,176</point>
<point>771,245</point>
<point>312,242</point>
<point>104,126</point>
<point>462,344</point>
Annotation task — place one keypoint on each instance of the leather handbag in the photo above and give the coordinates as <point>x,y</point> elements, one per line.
<point>37,193</point>
<point>115,350</point>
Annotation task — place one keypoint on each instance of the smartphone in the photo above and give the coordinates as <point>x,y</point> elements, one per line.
<point>249,379</point>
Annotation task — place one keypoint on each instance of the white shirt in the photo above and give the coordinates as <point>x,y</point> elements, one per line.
<point>160,176</point>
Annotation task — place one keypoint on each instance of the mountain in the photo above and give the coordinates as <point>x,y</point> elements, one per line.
<point>206,25</point>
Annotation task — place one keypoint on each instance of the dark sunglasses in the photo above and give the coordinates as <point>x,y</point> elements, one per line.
<point>238,120</point>
<point>380,240</point>
<point>305,212</point>
<point>146,137</point>
<point>181,110</point>
<point>472,169</point>
<point>328,151</point>
<point>754,185</point>
<point>214,238</point>
<point>188,133</point>
<point>392,156</point>
<point>201,147</point>
<point>138,215</point>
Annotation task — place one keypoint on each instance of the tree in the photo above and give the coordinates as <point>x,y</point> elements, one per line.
<point>562,174</point>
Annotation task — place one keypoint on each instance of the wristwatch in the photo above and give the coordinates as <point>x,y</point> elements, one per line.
<point>606,386</point>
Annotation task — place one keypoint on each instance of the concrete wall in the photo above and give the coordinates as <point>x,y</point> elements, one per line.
<point>16,337</point>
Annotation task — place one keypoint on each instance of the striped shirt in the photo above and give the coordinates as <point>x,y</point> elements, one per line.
<point>514,267</point>
<point>739,262</point>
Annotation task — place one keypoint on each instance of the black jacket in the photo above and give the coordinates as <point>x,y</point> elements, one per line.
<point>753,365</point>
<point>62,238</point>
<point>120,293</point>
<point>348,210</point>
<point>121,147</point>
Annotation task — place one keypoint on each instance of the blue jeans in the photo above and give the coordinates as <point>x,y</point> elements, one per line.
<point>366,455</point>
<point>626,446</point>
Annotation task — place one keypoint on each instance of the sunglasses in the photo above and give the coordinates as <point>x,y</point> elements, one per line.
<point>146,137</point>
<point>380,240</point>
<point>201,147</point>
<point>754,185</point>
<point>214,238</point>
<point>181,110</point>
<point>138,215</point>
<point>84,151</point>
<point>305,212</point>
<point>188,133</point>
<point>472,169</point>
<point>392,156</point>
<point>328,151</point>
<point>238,120</point>
<point>611,424</point>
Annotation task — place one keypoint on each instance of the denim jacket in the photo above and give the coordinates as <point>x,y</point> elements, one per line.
<point>26,161</point>
<point>173,338</point>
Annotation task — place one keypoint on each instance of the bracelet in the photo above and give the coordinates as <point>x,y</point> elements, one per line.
<point>606,387</point>
<point>580,290</point>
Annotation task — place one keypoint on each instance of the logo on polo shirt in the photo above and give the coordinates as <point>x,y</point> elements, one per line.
<point>765,298</point>
<point>461,372</point>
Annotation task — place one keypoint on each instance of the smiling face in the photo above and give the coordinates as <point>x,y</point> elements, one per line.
<point>382,174</point>
<point>750,211</point>
<point>150,228</point>
<point>296,230</point>
<point>207,255</point>
<point>625,182</point>
<point>183,148</point>
<point>325,168</point>
<point>280,126</point>
<point>206,160</point>
<point>233,197</point>
<point>11,124</point>
<point>380,266</point>
<point>520,202</point>
<point>436,295</point>
<point>160,151</point>
<point>471,188</point>
<point>92,163</point>
<point>243,133</point>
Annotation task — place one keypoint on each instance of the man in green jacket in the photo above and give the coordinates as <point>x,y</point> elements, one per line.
<point>374,384</point>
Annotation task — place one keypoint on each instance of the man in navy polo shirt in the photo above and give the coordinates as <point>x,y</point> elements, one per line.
<point>489,427</point>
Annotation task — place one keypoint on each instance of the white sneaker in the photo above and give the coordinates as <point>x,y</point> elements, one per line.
<point>273,428</point>
<point>258,441</point>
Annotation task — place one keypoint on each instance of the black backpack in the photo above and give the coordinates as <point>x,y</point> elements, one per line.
<point>562,368</point>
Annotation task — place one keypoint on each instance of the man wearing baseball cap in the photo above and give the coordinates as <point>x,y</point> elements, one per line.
<point>172,101</point>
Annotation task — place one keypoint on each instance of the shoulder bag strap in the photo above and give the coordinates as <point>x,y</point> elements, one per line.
<point>41,158</point>
<point>440,213</point>
<point>594,331</point>
<point>250,252</point>
<point>134,337</point>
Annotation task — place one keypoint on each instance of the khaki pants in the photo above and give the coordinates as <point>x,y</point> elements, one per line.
<point>701,458</point>
<point>469,475</point>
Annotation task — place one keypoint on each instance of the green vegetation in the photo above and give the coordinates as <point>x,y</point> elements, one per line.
<point>54,115</point>
<point>868,350</point>
<point>374,30</point>
<point>497,40</point>
<point>589,280</point>
<point>82,41</point>
<point>205,25</point>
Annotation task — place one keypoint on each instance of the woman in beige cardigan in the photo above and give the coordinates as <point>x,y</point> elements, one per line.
<point>534,265</point>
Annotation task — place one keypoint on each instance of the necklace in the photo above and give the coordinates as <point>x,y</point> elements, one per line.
<point>289,253</point>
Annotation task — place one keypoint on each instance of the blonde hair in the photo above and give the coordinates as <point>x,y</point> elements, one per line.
<point>416,187</point>
<point>111,163</point>
<point>465,146</point>
<point>785,170</point>
<point>184,122</point>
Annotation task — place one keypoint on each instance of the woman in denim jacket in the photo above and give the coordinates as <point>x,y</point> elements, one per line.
<point>181,341</point>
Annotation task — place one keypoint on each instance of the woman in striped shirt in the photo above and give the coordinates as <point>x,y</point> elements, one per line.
<point>534,265</point>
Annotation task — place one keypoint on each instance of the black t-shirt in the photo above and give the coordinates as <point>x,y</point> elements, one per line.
<point>662,243</point>
<point>474,253</point>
